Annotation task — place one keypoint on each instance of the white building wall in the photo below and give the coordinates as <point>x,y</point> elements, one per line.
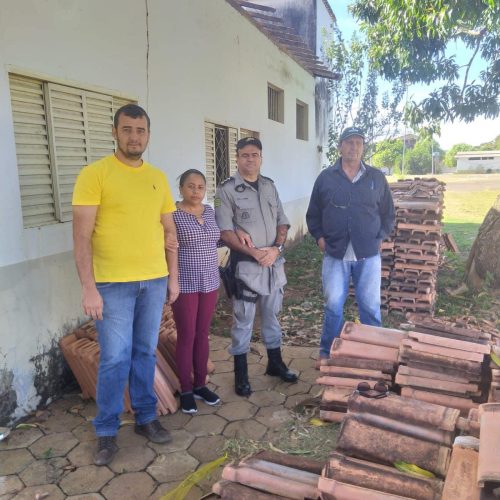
<point>492,164</point>
<point>206,62</point>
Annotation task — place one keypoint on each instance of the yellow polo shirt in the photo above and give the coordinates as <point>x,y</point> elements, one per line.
<point>128,239</point>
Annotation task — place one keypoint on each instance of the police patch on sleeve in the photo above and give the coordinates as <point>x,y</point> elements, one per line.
<point>217,203</point>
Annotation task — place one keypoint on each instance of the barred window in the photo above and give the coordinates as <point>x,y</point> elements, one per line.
<point>275,103</point>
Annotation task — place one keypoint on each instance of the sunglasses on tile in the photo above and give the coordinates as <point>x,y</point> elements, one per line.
<point>379,390</point>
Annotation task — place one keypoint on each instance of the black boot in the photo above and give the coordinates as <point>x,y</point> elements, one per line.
<point>277,368</point>
<point>241,383</point>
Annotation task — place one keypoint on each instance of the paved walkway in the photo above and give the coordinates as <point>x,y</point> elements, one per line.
<point>54,459</point>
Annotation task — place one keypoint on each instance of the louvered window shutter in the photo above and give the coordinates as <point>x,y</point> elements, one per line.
<point>232,134</point>
<point>210,171</point>
<point>32,148</point>
<point>100,122</point>
<point>71,149</point>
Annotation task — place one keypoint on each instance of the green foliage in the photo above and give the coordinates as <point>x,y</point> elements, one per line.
<point>356,98</point>
<point>388,154</point>
<point>408,40</point>
<point>418,160</point>
<point>449,158</point>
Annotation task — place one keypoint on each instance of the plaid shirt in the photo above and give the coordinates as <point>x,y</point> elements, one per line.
<point>198,263</point>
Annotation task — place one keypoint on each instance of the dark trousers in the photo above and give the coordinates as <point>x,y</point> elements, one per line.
<point>193,313</point>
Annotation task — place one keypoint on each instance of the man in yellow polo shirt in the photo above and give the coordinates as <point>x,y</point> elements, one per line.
<point>122,217</point>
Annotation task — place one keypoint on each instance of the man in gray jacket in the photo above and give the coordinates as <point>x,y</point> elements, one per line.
<point>250,202</point>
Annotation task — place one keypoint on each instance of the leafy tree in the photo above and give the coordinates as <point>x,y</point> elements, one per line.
<point>388,154</point>
<point>449,158</point>
<point>408,40</point>
<point>491,145</point>
<point>356,98</point>
<point>418,160</point>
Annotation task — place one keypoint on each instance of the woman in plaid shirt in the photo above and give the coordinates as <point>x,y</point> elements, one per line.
<point>197,234</point>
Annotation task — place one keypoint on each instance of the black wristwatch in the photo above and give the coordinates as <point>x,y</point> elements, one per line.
<point>280,247</point>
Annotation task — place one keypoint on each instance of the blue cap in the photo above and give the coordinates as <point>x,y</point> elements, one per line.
<point>349,131</point>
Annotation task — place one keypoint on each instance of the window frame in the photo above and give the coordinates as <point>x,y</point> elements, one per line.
<point>275,103</point>
<point>301,120</point>
<point>67,132</point>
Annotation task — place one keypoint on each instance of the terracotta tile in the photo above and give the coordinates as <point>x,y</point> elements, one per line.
<point>443,351</point>
<point>461,404</point>
<point>461,478</point>
<point>489,457</point>
<point>372,334</point>
<point>349,349</point>
<point>381,478</point>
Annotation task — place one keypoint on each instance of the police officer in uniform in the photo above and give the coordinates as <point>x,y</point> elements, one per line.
<point>249,202</point>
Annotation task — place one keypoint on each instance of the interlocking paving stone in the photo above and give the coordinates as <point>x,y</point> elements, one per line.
<point>296,352</point>
<point>89,410</point>
<point>204,409</point>
<point>250,429</point>
<point>127,436</point>
<point>310,376</point>
<point>223,367</point>
<point>194,493</point>
<point>10,485</point>
<point>63,422</point>
<point>273,416</point>
<point>301,364</point>
<point>227,394</point>
<point>292,401</point>
<point>44,471</point>
<point>208,448</point>
<point>172,467</point>
<point>181,439</point>
<point>202,425</point>
<point>14,461</point>
<point>218,343</point>
<point>222,379</point>
<point>290,389</point>
<point>84,432</point>
<point>21,438</point>
<point>132,459</point>
<point>83,454</point>
<point>88,479</point>
<point>264,382</point>
<point>238,410</point>
<point>221,355</point>
<point>54,445</point>
<point>175,420</point>
<point>266,398</point>
<point>131,486</point>
<point>51,492</point>
<point>89,496</point>
<point>255,369</point>
<point>66,402</point>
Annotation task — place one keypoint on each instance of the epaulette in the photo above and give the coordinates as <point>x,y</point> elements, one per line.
<point>225,181</point>
<point>267,178</point>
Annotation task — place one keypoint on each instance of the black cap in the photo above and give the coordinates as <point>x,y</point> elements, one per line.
<point>248,141</point>
<point>349,131</point>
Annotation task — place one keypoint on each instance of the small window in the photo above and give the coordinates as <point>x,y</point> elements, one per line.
<point>302,120</point>
<point>275,103</point>
<point>220,155</point>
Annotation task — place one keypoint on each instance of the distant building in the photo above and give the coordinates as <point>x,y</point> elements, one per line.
<point>478,161</point>
<point>409,140</point>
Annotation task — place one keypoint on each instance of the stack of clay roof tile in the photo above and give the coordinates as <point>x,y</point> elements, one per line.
<point>268,475</point>
<point>362,353</point>
<point>444,364</point>
<point>81,352</point>
<point>378,432</point>
<point>416,246</point>
<point>474,471</point>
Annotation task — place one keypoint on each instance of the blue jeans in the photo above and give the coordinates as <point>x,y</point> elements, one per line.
<point>128,336</point>
<point>336,274</point>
